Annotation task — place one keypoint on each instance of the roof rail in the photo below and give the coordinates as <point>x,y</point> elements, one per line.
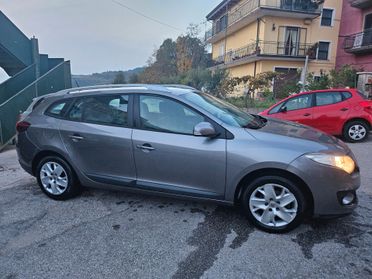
<point>109,87</point>
<point>178,86</point>
<point>103,87</point>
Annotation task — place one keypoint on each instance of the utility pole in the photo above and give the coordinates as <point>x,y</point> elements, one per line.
<point>304,73</point>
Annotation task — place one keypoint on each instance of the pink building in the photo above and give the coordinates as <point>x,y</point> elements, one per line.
<point>355,39</point>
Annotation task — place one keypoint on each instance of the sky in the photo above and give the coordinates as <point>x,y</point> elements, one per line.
<point>101,35</point>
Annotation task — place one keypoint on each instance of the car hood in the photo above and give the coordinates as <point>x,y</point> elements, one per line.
<point>302,133</point>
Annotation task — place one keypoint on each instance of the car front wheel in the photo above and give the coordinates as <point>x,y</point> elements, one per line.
<point>273,204</point>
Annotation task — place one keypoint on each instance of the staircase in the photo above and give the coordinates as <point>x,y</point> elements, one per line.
<point>31,75</point>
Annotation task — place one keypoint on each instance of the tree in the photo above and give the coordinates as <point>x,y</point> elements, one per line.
<point>344,77</point>
<point>133,78</point>
<point>119,78</point>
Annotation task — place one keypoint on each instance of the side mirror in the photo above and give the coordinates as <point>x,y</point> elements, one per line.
<point>204,129</point>
<point>283,109</point>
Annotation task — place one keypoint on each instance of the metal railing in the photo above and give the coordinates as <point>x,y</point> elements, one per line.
<point>247,7</point>
<point>268,48</point>
<point>358,41</point>
<point>17,82</point>
<point>56,79</point>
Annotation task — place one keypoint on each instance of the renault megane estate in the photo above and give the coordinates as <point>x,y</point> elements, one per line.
<point>180,142</point>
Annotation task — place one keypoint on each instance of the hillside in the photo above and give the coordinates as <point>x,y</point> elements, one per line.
<point>101,78</point>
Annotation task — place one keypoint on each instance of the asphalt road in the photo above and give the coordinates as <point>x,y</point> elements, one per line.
<point>105,234</point>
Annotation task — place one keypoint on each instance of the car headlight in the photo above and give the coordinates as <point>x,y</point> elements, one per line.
<point>343,162</point>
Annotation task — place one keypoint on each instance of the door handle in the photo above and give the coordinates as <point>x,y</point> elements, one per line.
<point>344,109</point>
<point>307,114</point>
<point>145,147</point>
<point>76,137</point>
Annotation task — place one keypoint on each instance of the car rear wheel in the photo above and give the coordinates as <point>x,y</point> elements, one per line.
<point>273,204</point>
<point>356,131</point>
<point>56,178</point>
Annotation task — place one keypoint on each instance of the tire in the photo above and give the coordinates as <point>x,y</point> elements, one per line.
<point>260,202</point>
<point>356,131</point>
<point>56,178</point>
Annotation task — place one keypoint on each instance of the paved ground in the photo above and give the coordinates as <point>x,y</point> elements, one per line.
<point>106,234</point>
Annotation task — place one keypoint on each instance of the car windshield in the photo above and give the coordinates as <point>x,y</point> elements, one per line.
<point>225,112</point>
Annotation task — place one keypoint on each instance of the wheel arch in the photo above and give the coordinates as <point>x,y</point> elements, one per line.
<point>357,119</point>
<point>44,153</point>
<point>249,177</point>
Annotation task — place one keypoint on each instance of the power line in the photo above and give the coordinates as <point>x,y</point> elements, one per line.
<point>145,16</point>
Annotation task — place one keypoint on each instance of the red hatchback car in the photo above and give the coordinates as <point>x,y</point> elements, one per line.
<point>345,112</point>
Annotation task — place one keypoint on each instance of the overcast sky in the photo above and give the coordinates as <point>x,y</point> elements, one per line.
<point>100,35</point>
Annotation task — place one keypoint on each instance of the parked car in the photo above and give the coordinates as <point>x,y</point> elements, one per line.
<point>180,142</point>
<point>339,112</point>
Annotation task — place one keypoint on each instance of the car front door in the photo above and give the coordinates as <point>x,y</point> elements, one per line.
<point>97,135</point>
<point>331,111</point>
<point>298,109</point>
<point>169,157</point>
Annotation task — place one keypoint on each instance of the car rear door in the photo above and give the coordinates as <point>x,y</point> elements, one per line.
<point>298,109</point>
<point>331,110</point>
<point>97,135</point>
<point>169,157</point>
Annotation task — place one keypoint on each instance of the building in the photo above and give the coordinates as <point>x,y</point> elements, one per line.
<point>355,43</point>
<point>253,36</point>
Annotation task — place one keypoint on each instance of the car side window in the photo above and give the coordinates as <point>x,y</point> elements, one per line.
<point>101,109</point>
<point>58,109</point>
<point>299,102</point>
<point>275,109</point>
<point>328,98</point>
<point>346,95</point>
<point>165,115</point>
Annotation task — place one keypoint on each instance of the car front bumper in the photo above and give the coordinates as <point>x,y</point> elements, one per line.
<point>328,185</point>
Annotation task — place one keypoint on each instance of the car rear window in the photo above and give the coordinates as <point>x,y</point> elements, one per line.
<point>328,98</point>
<point>58,109</point>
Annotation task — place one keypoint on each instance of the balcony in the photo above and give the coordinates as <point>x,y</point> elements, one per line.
<point>361,4</point>
<point>359,43</point>
<point>264,50</point>
<point>248,12</point>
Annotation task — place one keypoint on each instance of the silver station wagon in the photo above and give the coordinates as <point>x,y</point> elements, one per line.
<point>177,141</point>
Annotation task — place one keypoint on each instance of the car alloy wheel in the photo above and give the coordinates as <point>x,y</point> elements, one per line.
<point>57,179</point>
<point>53,178</point>
<point>357,132</point>
<point>273,205</point>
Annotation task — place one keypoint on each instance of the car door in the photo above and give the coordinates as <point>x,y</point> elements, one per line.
<point>331,111</point>
<point>97,135</point>
<point>298,109</point>
<point>169,157</point>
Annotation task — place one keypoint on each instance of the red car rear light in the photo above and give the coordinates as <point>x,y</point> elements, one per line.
<point>22,126</point>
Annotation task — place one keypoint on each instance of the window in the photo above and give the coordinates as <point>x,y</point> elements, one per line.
<point>300,102</point>
<point>328,98</point>
<point>323,50</point>
<point>346,95</point>
<point>165,115</point>
<point>57,109</point>
<point>105,110</point>
<point>327,17</point>
<point>275,109</point>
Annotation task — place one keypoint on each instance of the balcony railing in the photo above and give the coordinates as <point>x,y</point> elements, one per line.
<point>359,42</point>
<point>361,4</point>
<point>267,48</point>
<point>249,6</point>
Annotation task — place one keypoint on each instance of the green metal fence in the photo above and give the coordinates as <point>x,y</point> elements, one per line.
<point>16,83</point>
<point>56,79</point>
